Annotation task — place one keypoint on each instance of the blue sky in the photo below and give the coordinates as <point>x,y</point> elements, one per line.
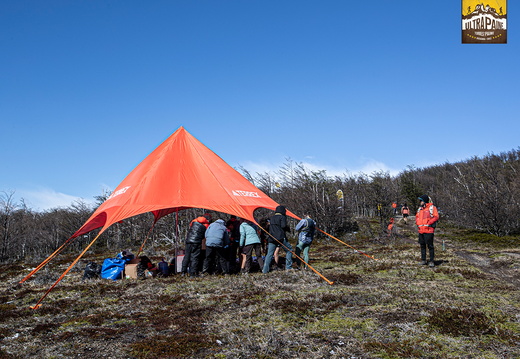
<point>89,88</point>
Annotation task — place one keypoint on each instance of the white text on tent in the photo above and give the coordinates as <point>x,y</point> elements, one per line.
<point>245,194</point>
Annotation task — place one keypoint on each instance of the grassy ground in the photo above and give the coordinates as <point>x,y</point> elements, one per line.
<point>468,306</point>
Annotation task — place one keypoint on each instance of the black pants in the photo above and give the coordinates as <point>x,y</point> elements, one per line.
<point>426,240</point>
<point>211,254</point>
<point>191,258</point>
<point>231,253</point>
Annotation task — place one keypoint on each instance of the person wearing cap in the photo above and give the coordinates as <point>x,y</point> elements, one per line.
<point>194,239</point>
<point>277,238</point>
<point>426,219</point>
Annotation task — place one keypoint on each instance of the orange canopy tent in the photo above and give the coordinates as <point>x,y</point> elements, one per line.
<point>181,173</point>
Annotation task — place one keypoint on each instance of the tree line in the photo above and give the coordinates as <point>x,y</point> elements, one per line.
<point>480,193</point>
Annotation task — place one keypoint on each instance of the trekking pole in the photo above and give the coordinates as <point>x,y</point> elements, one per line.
<point>294,254</point>
<point>348,245</point>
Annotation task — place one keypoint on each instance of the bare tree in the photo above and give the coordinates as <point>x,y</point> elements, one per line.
<point>7,209</point>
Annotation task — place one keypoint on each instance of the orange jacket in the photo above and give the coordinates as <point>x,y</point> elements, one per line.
<point>425,217</point>
<point>202,220</point>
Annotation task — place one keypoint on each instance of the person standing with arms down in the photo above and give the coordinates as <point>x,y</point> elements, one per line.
<point>277,228</point>
<point>306,228</point>
<point>194,239</point>
<point>426,220</point>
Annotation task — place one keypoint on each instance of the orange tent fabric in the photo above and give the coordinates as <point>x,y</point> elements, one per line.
<point>181,173</point>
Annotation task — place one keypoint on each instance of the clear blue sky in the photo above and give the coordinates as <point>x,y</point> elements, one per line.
<point>89,88</point>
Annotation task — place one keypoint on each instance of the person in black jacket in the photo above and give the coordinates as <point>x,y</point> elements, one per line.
<point>194,240</point>
<point>277,228</point>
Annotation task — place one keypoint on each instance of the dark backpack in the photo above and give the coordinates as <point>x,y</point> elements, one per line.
<point>164,269</point>
<point>92,271</point>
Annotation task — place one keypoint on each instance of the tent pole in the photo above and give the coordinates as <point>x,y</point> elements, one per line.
<point>175,241</point>
<point>49,258</point>
<point>357,250</point>
<point>38,304</point>
<point>146,238</point>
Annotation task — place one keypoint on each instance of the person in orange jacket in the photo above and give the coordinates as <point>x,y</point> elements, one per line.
<point>390,227</point>
<point>426,220</point>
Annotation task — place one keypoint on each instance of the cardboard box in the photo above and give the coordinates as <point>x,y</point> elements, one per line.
<point>131,271</point>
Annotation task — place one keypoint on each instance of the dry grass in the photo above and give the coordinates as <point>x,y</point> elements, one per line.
<point>389,308</point>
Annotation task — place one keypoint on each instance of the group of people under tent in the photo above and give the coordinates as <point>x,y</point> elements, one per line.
<point>229,246</point>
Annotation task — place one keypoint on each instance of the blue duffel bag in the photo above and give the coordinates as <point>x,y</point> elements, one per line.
<point>113,268</point>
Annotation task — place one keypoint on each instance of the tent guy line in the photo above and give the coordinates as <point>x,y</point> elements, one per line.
<point>348,245</point>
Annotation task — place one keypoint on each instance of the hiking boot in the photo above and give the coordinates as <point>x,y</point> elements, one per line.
<point>423,263</point>
<point>431,264</point>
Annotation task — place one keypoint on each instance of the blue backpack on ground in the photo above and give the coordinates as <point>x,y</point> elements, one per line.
<point>113,268</point>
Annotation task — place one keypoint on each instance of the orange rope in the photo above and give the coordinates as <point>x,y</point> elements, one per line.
<point>301,259</point>
<point>49,258</point>
<point>38,305</point>
<point>348,245</point>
